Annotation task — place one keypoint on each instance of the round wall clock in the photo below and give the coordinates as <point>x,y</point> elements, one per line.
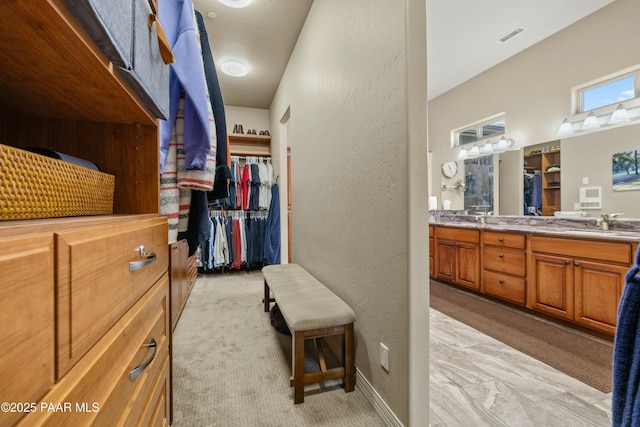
<point>450,169</point>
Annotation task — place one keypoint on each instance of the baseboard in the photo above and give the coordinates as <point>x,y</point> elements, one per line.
<point>380,406</point>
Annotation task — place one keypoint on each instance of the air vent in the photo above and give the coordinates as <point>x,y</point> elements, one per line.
<point>512,34</point>
<point>591,197</point>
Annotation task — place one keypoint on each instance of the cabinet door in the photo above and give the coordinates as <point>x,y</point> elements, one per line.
<point>176,282</point>
<point>446,260</point>
<point>598,288</point>
<point>27,318</point>
<point>551,285</point>
<point>468,265</point>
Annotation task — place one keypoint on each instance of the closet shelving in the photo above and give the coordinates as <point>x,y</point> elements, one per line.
<point>551,185</point>
<point>550,182</point>
<point>250,145</point>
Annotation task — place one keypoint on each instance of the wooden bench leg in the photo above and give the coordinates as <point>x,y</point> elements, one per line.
<point>267,298</point>
<point>298,367</point>
<point>347,357</point>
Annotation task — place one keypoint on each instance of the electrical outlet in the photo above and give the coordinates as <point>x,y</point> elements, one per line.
<point>384,357</point>
<point>585,180</point>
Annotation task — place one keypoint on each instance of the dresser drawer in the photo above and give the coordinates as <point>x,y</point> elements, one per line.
<point>27,357</point>
<point>507,240</point>
<point>504,260</point>
<point>96,286</point>
<point>504,286</point>
<point>100,388</point>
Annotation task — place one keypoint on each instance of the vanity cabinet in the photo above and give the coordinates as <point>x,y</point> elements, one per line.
<point>579,280</point>
<point>457,257</point>
<point>432,251</point>
<point>504,265</point>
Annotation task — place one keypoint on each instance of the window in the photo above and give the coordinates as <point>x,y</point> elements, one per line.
<point>610,92</point>
<point>493,127</point>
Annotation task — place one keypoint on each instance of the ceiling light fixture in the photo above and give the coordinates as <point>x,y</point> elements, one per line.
<point>212,15</point>
<point>235,3</point>
<point>234,69</point>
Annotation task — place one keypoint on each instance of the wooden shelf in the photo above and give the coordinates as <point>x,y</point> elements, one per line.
<point>249,145</point>
<point>51,68</point>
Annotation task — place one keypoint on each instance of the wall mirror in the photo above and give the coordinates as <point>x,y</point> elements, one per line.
<point>478,180</point>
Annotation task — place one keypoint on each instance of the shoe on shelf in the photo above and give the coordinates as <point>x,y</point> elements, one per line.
<point>266,132</point>
<point>261,132</point>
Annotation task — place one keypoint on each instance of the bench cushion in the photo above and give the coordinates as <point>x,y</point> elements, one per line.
<point>305,302</point>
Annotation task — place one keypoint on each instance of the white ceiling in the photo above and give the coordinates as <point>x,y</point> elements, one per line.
<point>462,38</point>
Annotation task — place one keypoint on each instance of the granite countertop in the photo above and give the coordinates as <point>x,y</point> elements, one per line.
<point>584,227</point>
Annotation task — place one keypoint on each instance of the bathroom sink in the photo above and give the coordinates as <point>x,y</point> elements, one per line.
<point>587,232</point>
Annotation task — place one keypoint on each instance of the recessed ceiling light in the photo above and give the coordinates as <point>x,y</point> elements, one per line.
<point>212,15</point>
<point>234,69</point>
<point>235,3</point>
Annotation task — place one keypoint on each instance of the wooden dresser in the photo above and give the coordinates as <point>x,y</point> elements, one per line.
<point>85,323</point>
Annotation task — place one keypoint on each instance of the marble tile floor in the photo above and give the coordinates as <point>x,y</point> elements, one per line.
<point>479,381</point>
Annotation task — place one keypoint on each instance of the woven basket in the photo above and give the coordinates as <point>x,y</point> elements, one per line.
<point>35,186</point>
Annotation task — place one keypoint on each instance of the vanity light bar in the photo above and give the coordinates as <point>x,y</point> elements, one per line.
<point>619,116</point>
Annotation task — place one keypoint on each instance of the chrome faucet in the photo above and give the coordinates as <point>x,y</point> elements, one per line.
<point>482,217</point>
<point>605,221</point>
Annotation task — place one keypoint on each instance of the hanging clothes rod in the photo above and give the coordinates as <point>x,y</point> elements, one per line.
<point>250,157</point>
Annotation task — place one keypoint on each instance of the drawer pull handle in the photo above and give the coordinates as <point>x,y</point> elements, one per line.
<point>500,239</point>
<point>500,256</point>
<point>149,258</point>
<point>501,281</point>
<point>138,369</point>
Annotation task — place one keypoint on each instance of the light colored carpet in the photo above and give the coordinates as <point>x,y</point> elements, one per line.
<point>231,367</point>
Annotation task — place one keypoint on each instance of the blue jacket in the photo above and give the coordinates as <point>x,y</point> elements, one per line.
<point>186,73</point>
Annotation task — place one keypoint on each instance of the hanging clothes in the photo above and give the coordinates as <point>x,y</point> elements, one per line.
<point>185,74</point>
<point>536,192</point>
<point>272,240</point>
<point>222,170</point>
<point>625,402</point>
<point>245,183</point>
<point>254,196</point>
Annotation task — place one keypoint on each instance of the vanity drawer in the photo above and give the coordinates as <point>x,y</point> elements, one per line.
<point>458,234</point>
<point>504,286</point>
<point>507,240</point>
<point>27,358</point>
<point>504,260</point>
<point>101,275</point>
<point>102,384</point>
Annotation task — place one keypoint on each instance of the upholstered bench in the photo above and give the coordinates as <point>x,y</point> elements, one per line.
<point>311,311</point>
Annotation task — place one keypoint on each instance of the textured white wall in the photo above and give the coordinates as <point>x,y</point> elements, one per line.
<point>249,118</point>
<point>346,87</point>
<point>534,87</point>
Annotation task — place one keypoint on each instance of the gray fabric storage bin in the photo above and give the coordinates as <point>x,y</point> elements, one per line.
<point>148,74</point>
<point>108,22</point>
<point>121,30</point>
